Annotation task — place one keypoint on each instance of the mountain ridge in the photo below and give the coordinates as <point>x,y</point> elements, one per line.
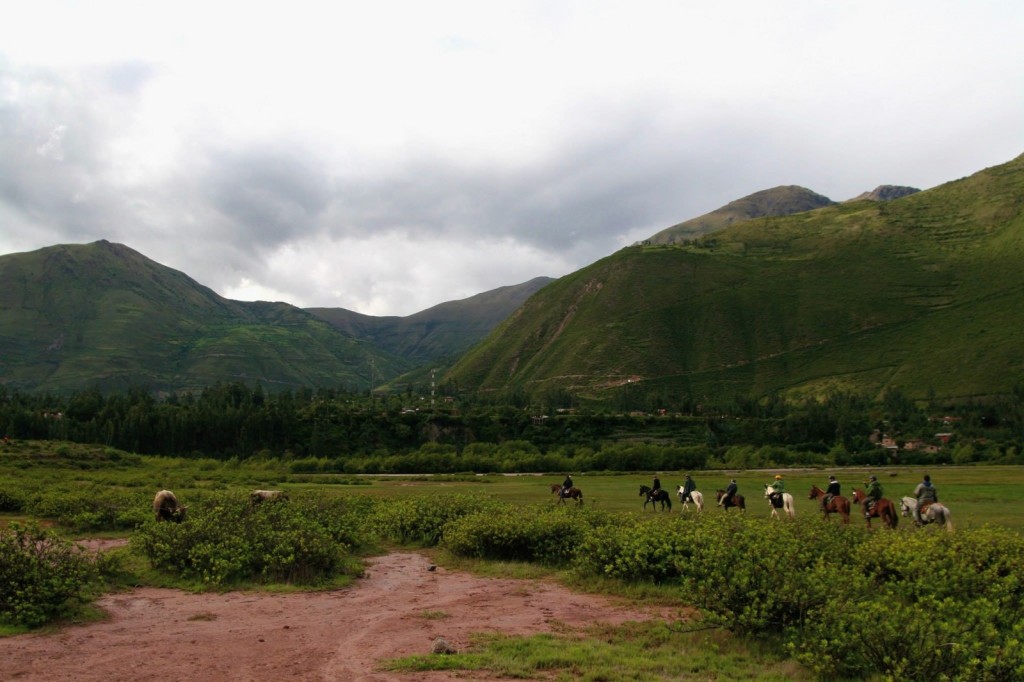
<point>864,296</point>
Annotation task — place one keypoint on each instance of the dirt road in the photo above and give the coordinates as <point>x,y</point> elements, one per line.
<point>399,608</point>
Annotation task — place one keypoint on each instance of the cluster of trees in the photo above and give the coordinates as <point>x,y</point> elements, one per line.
<point>413,433</point>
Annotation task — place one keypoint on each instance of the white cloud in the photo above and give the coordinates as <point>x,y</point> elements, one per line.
<point>388,156</point>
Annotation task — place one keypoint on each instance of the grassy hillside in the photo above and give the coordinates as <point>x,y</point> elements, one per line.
<point>101,314</point>
<point>923,293</point>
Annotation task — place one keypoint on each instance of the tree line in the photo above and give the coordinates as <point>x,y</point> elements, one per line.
<point>339,430</point>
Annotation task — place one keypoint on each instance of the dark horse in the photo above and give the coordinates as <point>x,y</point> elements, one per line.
<point>883,509</point>
<point>656,496</point>
<point>572,493</point>
<point>736,501</point>
<point>837,505</point>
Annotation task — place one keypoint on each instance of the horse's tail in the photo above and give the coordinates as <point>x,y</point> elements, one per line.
<point>947,518</point>
<point>893,516</point>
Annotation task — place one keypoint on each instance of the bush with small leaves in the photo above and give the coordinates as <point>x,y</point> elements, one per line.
<point>41,576</point>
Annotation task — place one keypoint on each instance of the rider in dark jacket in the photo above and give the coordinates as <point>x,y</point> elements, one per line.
<point>566,484</point>
<point>730,490</point>
<point>656,487</point>
<point>688,487</point>
<point>831,491</point>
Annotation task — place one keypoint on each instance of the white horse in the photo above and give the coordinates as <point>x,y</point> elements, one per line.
<point>787,503</point>
<point>695,495</point>
<point>933,513</point>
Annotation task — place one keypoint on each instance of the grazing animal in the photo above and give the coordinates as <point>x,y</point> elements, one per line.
<point>166,507</point>
<point>257,497</point>
<point>655,496</point>
<point>935,512</point>
<point>695,495</point>
<point>883,509</point>
<point>573,493</point>
<point>736,501</point>
<point>837,505</point>
<point>786,504</point>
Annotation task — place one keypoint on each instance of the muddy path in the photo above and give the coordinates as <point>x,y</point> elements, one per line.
<point>399,608</point>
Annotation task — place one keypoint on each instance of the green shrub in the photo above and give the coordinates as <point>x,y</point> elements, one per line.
<point>41,576</point>
<point>11,501</point>
<point>423,519</point>
<point>544,536</point>
<point>224,541</point>
<point>93,509</point>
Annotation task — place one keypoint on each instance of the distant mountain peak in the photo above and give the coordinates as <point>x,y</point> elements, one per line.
<point>777,201</point>
<point>886,193</point>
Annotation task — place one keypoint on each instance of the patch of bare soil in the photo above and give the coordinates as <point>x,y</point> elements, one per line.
<point>399,608</point>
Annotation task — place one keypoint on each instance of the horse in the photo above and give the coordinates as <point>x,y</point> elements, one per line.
<point>933,513</point>
<point>883,509</point>
<point>736,501</point>
<point>573,493</point>
<point>695,495</point>
<point>655,496</point>
<point>837,505</point>
<point>786,503</point>
<point>166,507</point>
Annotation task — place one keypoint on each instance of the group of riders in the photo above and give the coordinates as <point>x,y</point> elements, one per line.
<point>925,492</point>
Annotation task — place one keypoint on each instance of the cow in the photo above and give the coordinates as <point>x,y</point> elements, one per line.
<point>166,507</point>
<point>257,497</point>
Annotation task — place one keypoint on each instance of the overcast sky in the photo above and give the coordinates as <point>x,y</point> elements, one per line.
<point>388,156</point>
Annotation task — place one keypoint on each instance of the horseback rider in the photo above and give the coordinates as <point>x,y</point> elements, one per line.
<point>778,488</point>
<point>566,485</point>
<point>872,495</point>
<point>831,491</point>
<point>730,490</point>
<point>655,488</point>
<point>688,487</point>
<point>926,494</point>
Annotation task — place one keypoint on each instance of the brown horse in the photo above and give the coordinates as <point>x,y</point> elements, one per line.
<point>573,493</point>
<point>883,509</point>
<point>837,505</point>
<point>736,501</point>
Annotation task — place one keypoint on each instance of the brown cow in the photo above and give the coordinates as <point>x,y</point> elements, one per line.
<point>166,507</point>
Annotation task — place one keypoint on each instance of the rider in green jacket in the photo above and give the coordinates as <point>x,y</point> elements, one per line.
<point>872,495</point>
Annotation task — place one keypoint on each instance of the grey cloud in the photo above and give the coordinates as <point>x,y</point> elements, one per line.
<point>271,195</point>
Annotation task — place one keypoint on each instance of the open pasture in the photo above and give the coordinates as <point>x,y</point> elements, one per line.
<point>977,495</point>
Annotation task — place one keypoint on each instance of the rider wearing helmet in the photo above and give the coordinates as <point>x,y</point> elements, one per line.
<point>872,495</point>
<point>831,491</point>
<point>926,494</point>
<point>566,484</point>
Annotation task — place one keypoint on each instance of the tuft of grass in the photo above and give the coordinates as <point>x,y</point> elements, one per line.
<point>632,652</point>
<point>428,614</point>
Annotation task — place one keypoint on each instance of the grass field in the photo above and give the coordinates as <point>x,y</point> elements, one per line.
<point>976,495</point>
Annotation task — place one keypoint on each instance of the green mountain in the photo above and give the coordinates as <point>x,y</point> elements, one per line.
<point>779,201</point>
<point>103,315</point>
<point>438,333</point>
<point>924,293</point>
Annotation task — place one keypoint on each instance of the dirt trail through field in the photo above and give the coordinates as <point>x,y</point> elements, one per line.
<point>399,608</point>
